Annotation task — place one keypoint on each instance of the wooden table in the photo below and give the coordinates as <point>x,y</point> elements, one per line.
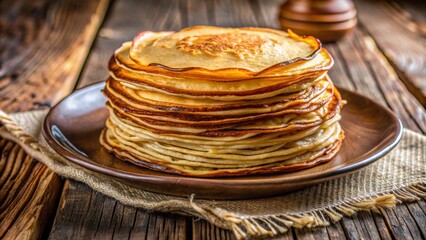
<point>50,48</point>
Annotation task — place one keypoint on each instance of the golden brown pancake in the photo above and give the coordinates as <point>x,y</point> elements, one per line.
<point>262,52</point>
<point>146,99</point>
<point>222,117</point>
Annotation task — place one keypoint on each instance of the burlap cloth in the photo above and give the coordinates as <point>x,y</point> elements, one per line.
<point>400,176</point>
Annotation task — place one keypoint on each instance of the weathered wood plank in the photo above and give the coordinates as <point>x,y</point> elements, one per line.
<point>398,229</point>
<point>351,231</point>
<point>381,226</point>
<point>85,214</point>
<point>418,215</point>
<point>360,226</point>
<point>311,233</point>
<point>404,216</point>
<point>402,45</point>
<point>202,230</point>
<point>28,194</point>
<point>43,46</point>
<point>335,231</point>
<point>368,225</point>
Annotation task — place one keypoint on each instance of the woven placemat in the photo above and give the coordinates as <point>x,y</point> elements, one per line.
<point>399,176</point>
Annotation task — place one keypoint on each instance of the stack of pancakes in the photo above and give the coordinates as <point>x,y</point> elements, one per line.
<point>210,101</point>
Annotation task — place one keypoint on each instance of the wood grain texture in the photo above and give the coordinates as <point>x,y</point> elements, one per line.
<point>400,36</point>
<point>28,195</point>
<point>203,230</point>
<point>418,215</point>
<point>85,214</point>
<point>43,47</point>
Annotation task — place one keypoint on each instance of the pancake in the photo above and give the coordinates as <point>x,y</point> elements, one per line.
<point>297,155</point>
<point>203,123</point>
<point>146,99</point>
<point>212,48</point>
<point>258,52</point>
<point>210,102</point>
<point>267,109</point>
<point>286,123</point>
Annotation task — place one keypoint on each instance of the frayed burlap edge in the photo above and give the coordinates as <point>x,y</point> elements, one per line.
<point>242,227</point>
<point>245,227</point>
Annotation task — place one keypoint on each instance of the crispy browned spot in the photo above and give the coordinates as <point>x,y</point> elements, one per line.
<point>240,45</point>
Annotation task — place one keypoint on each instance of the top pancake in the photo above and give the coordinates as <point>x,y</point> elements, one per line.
<point>223,53</point>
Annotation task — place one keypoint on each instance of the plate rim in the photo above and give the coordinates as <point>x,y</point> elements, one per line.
<point>187,180</point>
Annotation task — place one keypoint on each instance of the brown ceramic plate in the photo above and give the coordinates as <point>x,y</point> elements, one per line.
<point>73,126</point>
